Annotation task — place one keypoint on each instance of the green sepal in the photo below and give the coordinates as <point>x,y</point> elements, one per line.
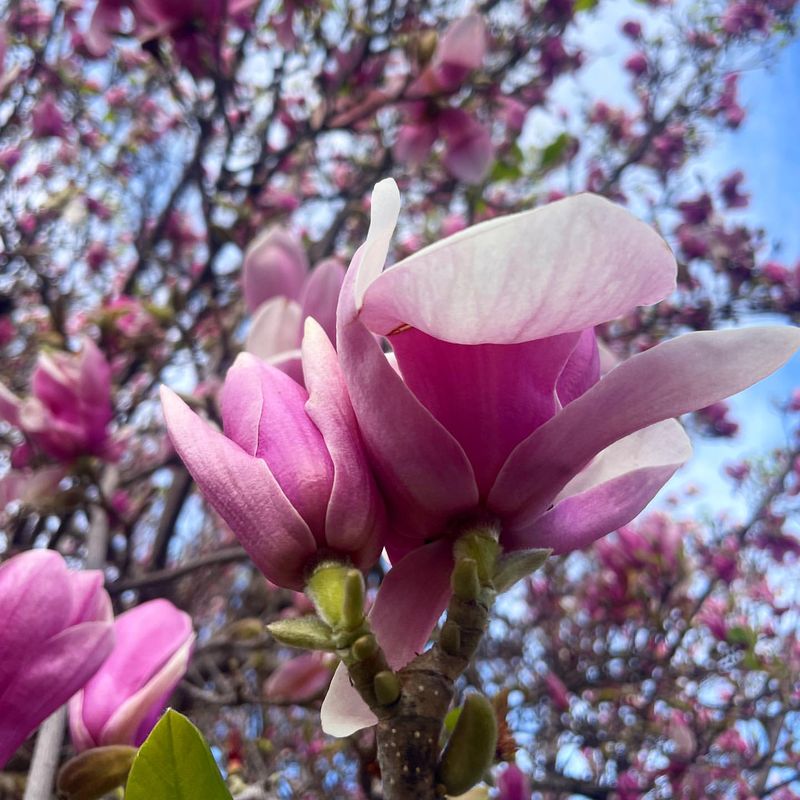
<point>464,581</point>
<point>513,567</point>
<point>175,763</point>
<point>470,750</point>
<point>484,549</point>
<point>93,773</point>
<point>309,633</point>
<point>353,601</point>
<point>326,590</point>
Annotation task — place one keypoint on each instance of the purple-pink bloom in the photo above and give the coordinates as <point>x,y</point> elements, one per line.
<point>56,632</point>
<point>299,679</point>
<point>69,409</point>
<point>513,784</point>
<point>496,410</point>
<point>282,293</point>
<point>124,699</point>
<point>288,474</point>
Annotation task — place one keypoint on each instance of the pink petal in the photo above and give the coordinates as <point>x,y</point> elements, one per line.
<point>414,142</point>
<point>408,605</point>
<point>320,294</point>
<point>673,378</point>
<point>244,493</point>
<point>461,49</point>
<point>563,267</point>
<point>263,411</point>
<point>489,396</point>
<point>420,465</point>
<point>135,717</point>
<point>582,370</point>
<point>106,20</point>
<point>355,519</point>
<point>610,492</point>
<point>274,264</point>
<point>276,328</point>
<point>48,678</point>
<point>147,638</point>
<point>299,679</point>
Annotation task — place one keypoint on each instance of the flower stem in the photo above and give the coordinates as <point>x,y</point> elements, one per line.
<point>46,755</point>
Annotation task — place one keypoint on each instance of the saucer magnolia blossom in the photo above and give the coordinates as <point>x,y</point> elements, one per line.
<point>124,699</point>
<point>56,631</point>
<point>288,474</point>
<point>281,292</point>
<point>496,410</point>
<point>69,409</point>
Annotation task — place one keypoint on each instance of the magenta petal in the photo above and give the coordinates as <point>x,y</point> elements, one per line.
<point>49,678</point>
<point>414,143</point>
<point>615,487</point>
<point>274,264</point>
<point>560,268</point>
<point>244,493</point>
<point>488,396</point>
<point>409,603</point>
<point>420,465</point>
<point>147,637</point>
<point>355,520</point>
<point>263,411</point>
<point>106,20</point>
<point>299,679</point>
<point>320,294</point>
<point>468,146</point>
<point>673,378</point>
<point>35,604</point>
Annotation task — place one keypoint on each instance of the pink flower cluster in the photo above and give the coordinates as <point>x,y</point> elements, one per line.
<point>492,409</point>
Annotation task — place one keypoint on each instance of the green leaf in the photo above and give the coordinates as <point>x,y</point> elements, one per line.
<point>554,153</point>
<point>175,763</point>
<point>585,5</point>
<point>741,635</point>
<point>516,566</point>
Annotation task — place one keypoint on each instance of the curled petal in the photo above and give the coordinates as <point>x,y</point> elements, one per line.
<point>673,378</point>
<point>560,268</point>
<point>610,492</point>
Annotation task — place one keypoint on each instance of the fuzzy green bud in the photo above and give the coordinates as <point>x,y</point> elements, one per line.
<point>94,773</point>
<point>471,748</point>
<point>464,581</point>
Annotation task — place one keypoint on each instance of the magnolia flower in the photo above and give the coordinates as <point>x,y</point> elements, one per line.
<point>288,475</point>
<point>69,409</point>
<point>495,410</point>
<point>124,699</point>
<point>281,292</point>
<point>56,632</point>
<point>299,679</point>
<point>468,150</point>
<point>513,784</point>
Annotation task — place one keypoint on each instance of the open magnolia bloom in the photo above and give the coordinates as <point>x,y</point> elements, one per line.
<point>496,411</point>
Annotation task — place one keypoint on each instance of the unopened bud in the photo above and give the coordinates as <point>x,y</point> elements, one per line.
<point>387,687</point>
<point>470,750</point>
<point>353,602</point>
<point>94,773</point>
<point>464,580</point>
